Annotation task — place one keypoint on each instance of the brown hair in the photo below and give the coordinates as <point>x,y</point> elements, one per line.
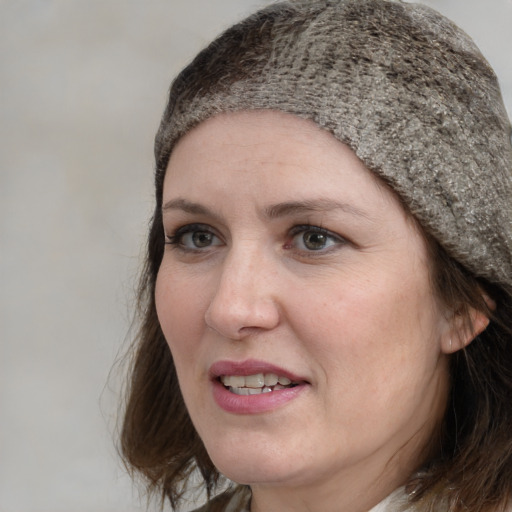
<point>472,468</point>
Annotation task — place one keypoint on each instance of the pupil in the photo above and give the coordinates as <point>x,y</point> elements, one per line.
<point>314,241</point>
<point>202,239</point>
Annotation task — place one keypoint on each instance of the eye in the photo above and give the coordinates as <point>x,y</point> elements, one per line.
<point>194,237</point>
<point>313,238</point>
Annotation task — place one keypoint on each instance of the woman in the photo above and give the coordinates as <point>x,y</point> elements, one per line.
<point>327,297</point>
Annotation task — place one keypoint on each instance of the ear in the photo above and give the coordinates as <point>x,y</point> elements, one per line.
<point>461,332</point>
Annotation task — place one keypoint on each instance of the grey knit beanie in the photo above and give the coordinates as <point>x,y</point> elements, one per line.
<point>405,88</point>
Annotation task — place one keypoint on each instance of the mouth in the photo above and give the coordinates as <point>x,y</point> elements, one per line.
<point>256,384</point>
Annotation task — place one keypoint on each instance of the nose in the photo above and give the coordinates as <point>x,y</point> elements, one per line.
<point>244,301</point>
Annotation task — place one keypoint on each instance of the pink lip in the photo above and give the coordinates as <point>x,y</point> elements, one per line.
<point>252,404</point>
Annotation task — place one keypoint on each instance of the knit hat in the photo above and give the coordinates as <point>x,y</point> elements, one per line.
<point>401,85</point>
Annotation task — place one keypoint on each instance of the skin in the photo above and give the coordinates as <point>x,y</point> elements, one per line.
<point>355,318</point>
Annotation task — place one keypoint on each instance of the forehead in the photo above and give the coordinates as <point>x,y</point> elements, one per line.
<point>274,145</point>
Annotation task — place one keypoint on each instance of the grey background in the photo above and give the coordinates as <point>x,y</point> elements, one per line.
<point>82,87</point>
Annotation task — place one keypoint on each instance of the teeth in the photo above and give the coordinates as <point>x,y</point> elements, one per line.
<point>271,379</point>
<point>240,391</point>
<point>255,384</point>
<point>255,381</point>
<point>235,381</point>
<point>255,391</point>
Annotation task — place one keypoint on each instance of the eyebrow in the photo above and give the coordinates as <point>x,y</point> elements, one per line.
<point>273,211</point>
<point>187,207</point>
<point>309,206</point>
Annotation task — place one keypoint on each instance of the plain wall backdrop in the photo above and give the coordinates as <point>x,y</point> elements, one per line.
<point>82,87</point>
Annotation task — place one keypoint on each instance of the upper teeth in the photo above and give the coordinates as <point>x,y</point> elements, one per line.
<point>254,381</point>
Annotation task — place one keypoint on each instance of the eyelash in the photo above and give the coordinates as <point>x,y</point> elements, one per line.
<point>176,239</point>
<point>332,239</point>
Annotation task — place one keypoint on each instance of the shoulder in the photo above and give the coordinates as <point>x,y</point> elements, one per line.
<point>233,500</point>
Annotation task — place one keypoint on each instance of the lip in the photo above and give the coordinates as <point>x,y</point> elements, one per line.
<point>252,404</point>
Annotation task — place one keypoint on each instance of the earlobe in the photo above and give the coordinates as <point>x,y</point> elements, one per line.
<point>462,332</point>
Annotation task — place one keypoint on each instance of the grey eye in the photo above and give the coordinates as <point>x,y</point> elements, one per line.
<point>198,239</point>
<point>201,239</point>
<point>315,241</point>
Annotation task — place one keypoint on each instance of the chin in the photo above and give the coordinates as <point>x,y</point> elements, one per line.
<point>251,467</point>
<point>267,471</point>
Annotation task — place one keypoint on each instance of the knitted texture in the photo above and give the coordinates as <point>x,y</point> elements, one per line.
<point>404,87</point>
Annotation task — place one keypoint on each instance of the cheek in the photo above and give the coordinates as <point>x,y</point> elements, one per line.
<point>367,329</point>
<point>179,307</point>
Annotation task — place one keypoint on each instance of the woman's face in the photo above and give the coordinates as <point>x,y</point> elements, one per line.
<point>294,295</point>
